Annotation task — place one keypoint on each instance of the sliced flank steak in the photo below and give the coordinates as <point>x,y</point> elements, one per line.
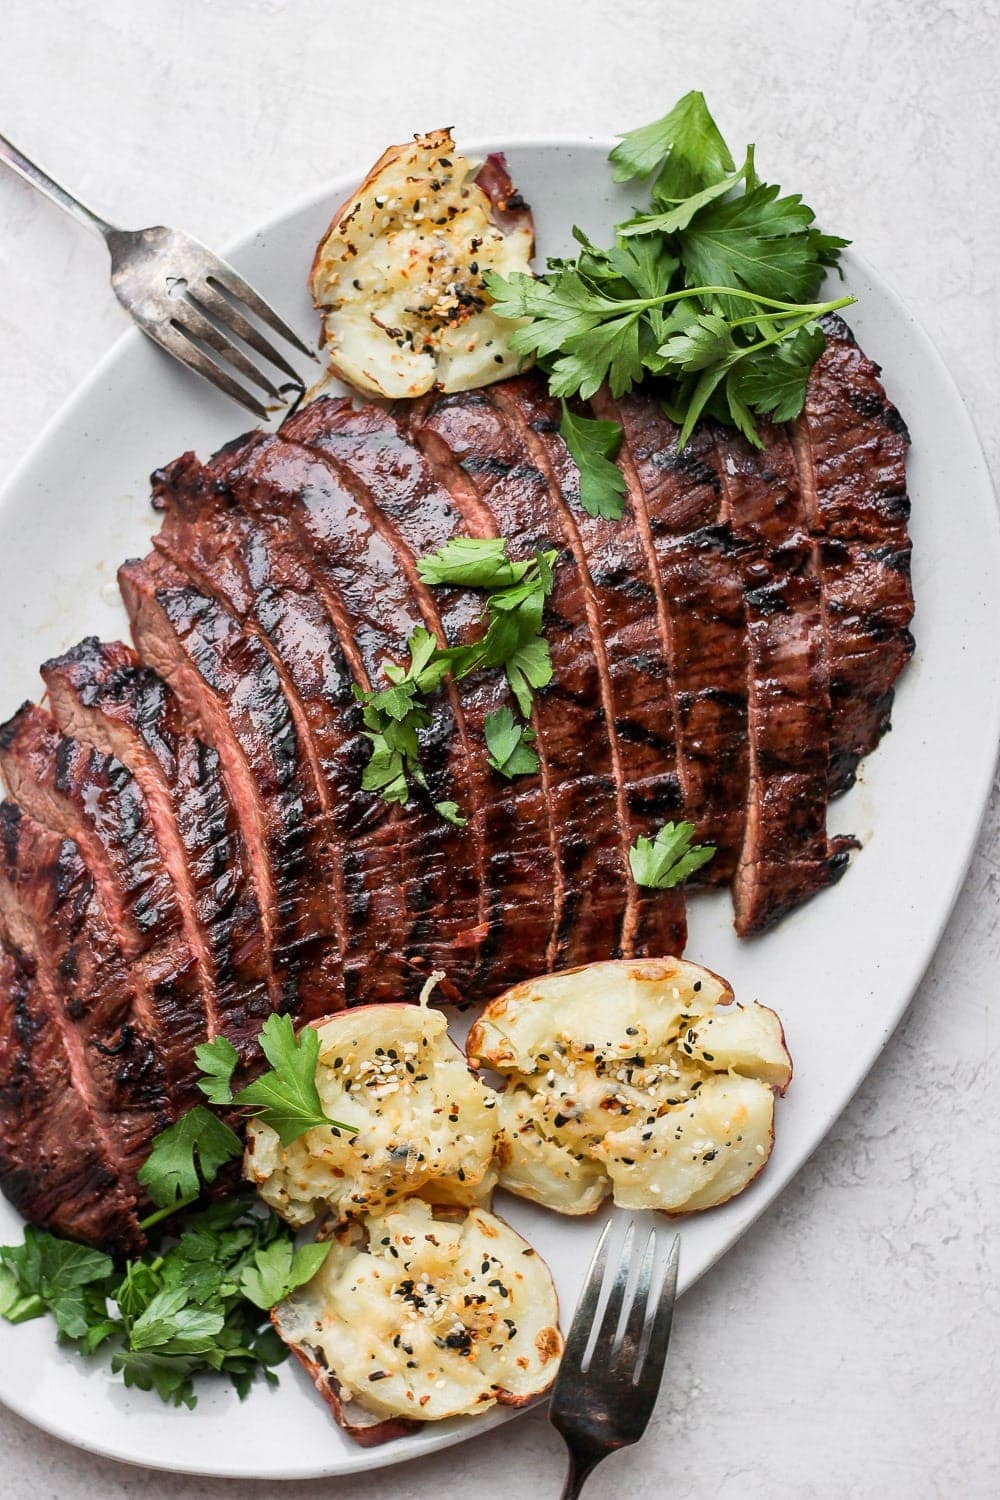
<point>375,456</point>
<point>786,856</point>
<point>635,681</point>
<point>50,911</point>
<point>678,502</point>
<point>53,1165</point>
<point>101,695</point>
<point>255,518</point>
<point>81,794</point>
<point>850,446</point>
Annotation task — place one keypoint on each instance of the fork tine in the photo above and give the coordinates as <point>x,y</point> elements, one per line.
<point>194,325</point>
<point>205,296</point>
<point>606,1333</point>
<point>637,1312</point>
<point>586,1310</point>
<point>169,337</point>
<point>227,278</point>
<point>655,1353</point>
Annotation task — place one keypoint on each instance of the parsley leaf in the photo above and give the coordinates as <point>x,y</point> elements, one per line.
<point>185,1308</point>
<point>509,744</point>
<point>278,1269</point>
<point>217,1060</point>
<point>593,446</point>
<point>286,1098</point>
<point>451,813</point>
<point>686,145</point>
<point>187,1155</point>
<point>47,1273</point>
<point>669,858</point>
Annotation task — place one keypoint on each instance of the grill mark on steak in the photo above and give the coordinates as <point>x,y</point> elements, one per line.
<point>482,481</point>
<point>786,856</point>
<point>651,921</point>
<point>700,593</point>
<point>227,684</point>
<point>49,910</point>
<point>102,696</point>
<point>418,877</point>
<point>90,798</point>
<point>850,445</point>
<point>52,1167</point>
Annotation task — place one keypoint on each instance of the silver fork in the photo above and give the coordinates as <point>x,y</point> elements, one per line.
<point>615,1352</point>
<point>184,297</point>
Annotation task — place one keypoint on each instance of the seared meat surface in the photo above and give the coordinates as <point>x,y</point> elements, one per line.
<point>187,846</point>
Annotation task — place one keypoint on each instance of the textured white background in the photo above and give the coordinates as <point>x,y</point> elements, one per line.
<point>848,1346</point>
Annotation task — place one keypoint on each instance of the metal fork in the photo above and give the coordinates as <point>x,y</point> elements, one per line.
<point>615,1352</point>
<point>184,297</point>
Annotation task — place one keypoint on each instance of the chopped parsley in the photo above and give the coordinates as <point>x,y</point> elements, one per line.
<point>509,744</point>
<point>286,1097</point>
<point>515,599</point>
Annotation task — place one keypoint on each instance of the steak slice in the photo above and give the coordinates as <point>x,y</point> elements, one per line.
<point>373,452</point>
<point>678,503</point>
<point>227,684</point>
<point>90,798</point>
<point>638,704</point>
<point>786,855</point>
<point>227,544</point>
<point>53,1166</point>
<point>850,444</point>
<point>102,696</point>
<point>49,910</point>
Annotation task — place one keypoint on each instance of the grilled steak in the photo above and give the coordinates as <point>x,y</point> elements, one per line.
<point>188,845</point>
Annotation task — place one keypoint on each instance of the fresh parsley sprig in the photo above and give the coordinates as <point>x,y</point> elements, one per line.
<point>515,600</point>
<point>668,859</point>
<point>286,1097</point>
<point>711,288</point>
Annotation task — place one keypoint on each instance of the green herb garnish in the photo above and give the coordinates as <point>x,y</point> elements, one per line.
<point>513,641</point>
<point>194,1304</point>
<point>710,288</point>
<point>669,858</point>
<point>286,1098</point>
<point>187,1156</point>
<point>509,744</point>
<point>217,1060</point>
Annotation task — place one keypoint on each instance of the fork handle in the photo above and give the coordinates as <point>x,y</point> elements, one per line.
<point>45,184</point>
<point>579,1471</point>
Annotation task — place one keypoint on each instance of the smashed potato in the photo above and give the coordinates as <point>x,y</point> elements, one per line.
<point>624,1078</point>
<point>398,276</point>
<point>423,1122</point>
<point>422,1314</point>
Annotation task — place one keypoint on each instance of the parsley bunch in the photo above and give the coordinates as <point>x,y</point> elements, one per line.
<point>513,641</point>
<point>196,1304</point>
<point>710,288</point>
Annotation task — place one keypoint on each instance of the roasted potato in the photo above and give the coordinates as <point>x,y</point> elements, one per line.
<point>420,1314</point>
<point>398,275</point>
<point>423,1122</point>
<point>624,1078</point>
